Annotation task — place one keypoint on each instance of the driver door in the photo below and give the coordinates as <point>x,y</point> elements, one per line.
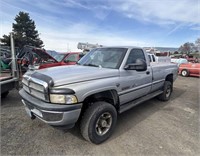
<point>134,84</point>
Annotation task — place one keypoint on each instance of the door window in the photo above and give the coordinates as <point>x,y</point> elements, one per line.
<point>134,55</point>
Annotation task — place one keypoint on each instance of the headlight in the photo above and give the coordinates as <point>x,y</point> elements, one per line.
<point>63,99</point>
<point>71,99</point>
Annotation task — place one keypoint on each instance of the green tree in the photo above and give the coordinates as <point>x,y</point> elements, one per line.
<point>187,48</point>
<point>25,33</point>
<point>197,44</point>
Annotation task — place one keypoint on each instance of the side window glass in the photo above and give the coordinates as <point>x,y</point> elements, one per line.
<point>134,55</point>
<point>72,58</point>
<point>149,58</point>
<point>154,60</point>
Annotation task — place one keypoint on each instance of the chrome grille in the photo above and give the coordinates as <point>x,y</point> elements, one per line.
<point>25,81</point>
<point>38,94</point>
<point>26,88</point>
<point>36,87</point>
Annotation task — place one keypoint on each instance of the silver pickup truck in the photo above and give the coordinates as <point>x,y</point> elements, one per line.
<point>104,83</point>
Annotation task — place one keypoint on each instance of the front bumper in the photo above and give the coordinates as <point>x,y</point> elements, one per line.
<point>52,114</point>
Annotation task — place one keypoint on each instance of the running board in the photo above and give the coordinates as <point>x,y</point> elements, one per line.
<point>133,103</point>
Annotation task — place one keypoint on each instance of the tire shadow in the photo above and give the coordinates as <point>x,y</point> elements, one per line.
<point>177,92</point>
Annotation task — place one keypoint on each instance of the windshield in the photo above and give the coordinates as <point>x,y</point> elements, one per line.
<point>59,57</point>
<point>104,57</point>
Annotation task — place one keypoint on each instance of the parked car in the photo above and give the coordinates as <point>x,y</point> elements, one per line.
<point>33,57</point>
<point>179,61</point>
<point>60,59</point>
<point>154,58</point>
<point>37,58</point>
<point>189,69</point>
<point>106,82</point>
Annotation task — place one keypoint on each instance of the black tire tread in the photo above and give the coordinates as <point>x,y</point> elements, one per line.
<point>88,115</point>
<point>162,96</point>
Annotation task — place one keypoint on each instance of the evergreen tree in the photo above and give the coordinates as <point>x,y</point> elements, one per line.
<point>25,33</point>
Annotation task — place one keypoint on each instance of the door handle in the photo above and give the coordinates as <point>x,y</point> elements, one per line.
<point>148,72</point>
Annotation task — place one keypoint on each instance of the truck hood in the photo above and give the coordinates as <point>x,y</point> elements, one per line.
<point>43,54</point>
<point>74,74</point>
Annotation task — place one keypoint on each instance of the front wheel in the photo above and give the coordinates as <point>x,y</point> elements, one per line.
<point>184,72</point>
<point>167,91</point>
<point>98,122</point>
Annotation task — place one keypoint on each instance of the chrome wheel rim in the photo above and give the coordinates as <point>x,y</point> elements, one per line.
<point>103,123</point>
<point>184,73</point>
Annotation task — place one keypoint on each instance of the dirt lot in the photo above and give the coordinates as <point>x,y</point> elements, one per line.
<point>152,128</point>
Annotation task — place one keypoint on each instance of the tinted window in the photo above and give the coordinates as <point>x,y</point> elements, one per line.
<point>134,55</point>
<point>149,58</point>
<point>154,60</point>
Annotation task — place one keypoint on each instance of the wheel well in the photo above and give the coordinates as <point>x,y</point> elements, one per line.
<point>185,69</point>
<point>109,96</point>
<point>169,78</point>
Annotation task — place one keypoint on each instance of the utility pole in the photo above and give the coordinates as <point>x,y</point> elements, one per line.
<point>14,66</point>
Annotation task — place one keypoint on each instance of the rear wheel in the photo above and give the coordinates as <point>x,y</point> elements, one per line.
<point>165,96</point>
<point>185,72</point>
<point>98,122</point>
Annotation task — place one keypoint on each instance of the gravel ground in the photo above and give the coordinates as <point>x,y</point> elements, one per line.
<point>152,128</point>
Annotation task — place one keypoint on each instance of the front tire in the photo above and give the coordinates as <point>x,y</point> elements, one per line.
<point>165,96</point>
<point>184,72</point>
<point>98,122</point>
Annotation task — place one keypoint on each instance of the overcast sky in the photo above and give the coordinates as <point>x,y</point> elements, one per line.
<point>64,23</point>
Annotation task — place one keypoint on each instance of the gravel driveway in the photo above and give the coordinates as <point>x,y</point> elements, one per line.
<point>152,128</point>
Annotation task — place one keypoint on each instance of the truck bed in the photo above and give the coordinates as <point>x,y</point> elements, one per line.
<point>5,76</point>
<point>7,82</point>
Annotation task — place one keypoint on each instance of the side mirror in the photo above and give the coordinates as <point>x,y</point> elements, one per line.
<point>140,65</point>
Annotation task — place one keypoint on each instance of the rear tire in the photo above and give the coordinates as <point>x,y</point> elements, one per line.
<point>165,96</point>
<point>98,122</point>
<point>185,73</point>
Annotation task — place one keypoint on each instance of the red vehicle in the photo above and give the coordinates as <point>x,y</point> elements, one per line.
<point>60,59</point>
<point>189,69</point>
<point>37,58</point>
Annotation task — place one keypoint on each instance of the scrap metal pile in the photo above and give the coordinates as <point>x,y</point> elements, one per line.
<point>26,56</point>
